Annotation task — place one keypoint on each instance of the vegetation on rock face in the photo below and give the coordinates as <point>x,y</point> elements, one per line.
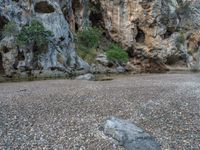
<point>180,40</point>
<point>117,54</point>
<point>33,33</point>
<point>88,38</point>
<point>10,29</point>
<point>87,41</point>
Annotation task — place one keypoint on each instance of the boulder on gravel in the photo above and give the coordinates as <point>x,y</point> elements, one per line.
<point>87,76</point>
<point>129,135</point>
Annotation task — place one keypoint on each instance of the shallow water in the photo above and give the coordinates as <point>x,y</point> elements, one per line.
<point>98,77</point>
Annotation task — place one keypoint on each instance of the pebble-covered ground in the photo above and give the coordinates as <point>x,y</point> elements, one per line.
<point>67,114</point>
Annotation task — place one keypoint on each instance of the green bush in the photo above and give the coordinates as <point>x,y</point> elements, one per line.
<point>87,41</point>
<point>88,38</point>
<point>117,54</point>
<point>10,29</point>
<point>33,33</point>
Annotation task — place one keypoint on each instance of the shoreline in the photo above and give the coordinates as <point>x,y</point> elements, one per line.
<point>98,76</point>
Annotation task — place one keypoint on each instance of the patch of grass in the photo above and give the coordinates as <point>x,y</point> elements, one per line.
<point>117,54</point>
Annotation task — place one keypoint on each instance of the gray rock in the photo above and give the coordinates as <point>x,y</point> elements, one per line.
<point>83,65</point>
<point>9,53</point>
<point>98,68</point>
<point>102,59</point>
<point>129,135</point>
<point>88,76</point>
<point>120,69</point>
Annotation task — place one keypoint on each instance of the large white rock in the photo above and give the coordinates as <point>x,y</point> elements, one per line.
<point>88,76</point>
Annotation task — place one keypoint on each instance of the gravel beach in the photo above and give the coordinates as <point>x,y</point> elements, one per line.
<point>68,114</point>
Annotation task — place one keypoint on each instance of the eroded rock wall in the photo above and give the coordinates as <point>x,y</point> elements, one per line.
<point>155,33</point>
<point>149,29</point>
<point>60,56</point>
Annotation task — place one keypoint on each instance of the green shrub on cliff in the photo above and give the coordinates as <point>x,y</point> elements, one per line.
<point>87,40</point>
<point>117,54</point>
<point>33,33</point>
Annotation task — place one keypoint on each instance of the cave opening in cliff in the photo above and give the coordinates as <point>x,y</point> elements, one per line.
<point>20,56</point>
<point>1,65</point>
<point>3,22</point>
<point>96,16</point>
<point>37,50</point>
<point>140,37</point>
<point>76,26</point>
<point>44,7</point>
<point>131,51</point>
<point>5,49</point>
<point>76,7</point>
<point>171,60</point>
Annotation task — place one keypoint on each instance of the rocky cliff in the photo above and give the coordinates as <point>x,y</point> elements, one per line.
<point>155,33</point>
<point>60,55</point>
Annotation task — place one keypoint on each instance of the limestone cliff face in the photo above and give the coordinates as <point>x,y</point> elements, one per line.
<point>151,29</point>
<point>155,33</point>
<point>60,56</point>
